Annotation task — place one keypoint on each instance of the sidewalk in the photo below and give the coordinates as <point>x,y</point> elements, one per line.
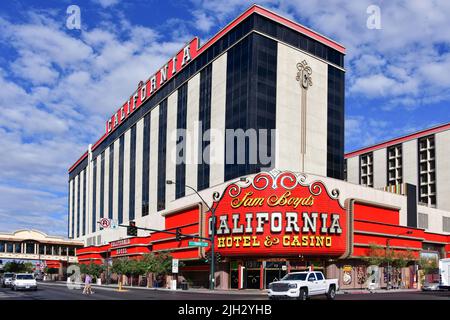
<point>363,291</point>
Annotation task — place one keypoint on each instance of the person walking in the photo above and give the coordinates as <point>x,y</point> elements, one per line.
<point>87,285</point>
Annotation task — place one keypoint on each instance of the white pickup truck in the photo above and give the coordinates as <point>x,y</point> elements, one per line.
<point>301,285</point>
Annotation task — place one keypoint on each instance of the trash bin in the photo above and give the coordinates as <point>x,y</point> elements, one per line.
<point>184,285</point>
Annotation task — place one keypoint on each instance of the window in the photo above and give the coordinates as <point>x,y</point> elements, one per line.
<point>335,123</point>
<point>205,119</point>
<point>56,250</point>
<point>145,208</point>
<point>311,277</point>
<point>427,168</point>
<point>10,247</point>
<point>83,227</point>
<point>94,195</point>
<point>295,276</point>
<point>72,195</point>
<point>162,141</point>
<point>111,181</point>
<point>446,224</point>
<point>180,168</point>
<point>2,246</point>
<point>29,247</point>
<point>345,169</point>
<point>423,220</point>
<point>319,276</point>
<point>48,250</point>
<point>78,184</point>
<point>395,169</point>
<point>120,178</point>
<point>146,165</point>
<point>366,169</point>
<point>132,172</point>
<point>102,184</point>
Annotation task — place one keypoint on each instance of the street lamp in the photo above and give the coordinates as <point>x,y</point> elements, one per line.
<point>213,228</point>
<point>387,248</point>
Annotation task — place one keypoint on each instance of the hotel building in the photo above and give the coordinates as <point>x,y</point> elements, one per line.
<point>262,73</point>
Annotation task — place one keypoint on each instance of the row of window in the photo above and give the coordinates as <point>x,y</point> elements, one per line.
<point>253,22</point>
<point>394,162</point>
<point>423,222</point>
<point>35,248</point>
<point>250,103</point>
<point>251,100</point>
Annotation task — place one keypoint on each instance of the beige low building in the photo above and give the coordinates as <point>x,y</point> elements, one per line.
<point>38,247</point>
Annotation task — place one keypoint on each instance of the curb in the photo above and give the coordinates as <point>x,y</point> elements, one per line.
<point>378,291</point>
<point>204,291</point>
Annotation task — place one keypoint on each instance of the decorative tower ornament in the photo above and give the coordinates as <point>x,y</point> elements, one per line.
<point>304,78</point>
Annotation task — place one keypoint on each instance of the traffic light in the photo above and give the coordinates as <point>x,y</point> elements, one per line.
<point>178,234</point>
<point>217,255</point>
<point>132,229</point>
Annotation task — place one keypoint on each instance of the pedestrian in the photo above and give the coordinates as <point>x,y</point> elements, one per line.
<point>87,285</point>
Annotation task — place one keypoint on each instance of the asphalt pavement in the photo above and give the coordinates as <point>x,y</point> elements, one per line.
<point>60,291</point>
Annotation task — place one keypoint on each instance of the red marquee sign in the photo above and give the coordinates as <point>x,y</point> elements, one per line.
<point>280,215</point>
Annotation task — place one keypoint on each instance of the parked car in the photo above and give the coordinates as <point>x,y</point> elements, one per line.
<point>431,286</point>
<point>301,285</point>
<point>7,279</point>
<point>23,281</point>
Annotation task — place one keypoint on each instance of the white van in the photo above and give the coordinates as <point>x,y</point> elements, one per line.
<point>444,273</point>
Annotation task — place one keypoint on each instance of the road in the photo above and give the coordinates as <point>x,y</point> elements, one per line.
<point>52,291</point>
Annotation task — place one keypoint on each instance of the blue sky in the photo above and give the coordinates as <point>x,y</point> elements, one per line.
<point>58,86</point>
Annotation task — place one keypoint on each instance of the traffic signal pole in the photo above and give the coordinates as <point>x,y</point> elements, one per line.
<point>213,228</point>
<point>168,232</point>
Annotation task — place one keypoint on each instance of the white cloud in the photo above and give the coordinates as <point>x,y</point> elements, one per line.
<point>59,90</point>
<point>107,3</point>
<point>32,209</point>
<point>203,22</point>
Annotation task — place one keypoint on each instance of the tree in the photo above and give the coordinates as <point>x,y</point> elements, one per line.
<point>428,266</point>
<point>93,269</point>
<point>121,267</point>
<point>135,268</point>
<point>376,255</point>
<point>51,270</point>
<point>159,264</point>
<point>18,267</point>
<point>401,260</point>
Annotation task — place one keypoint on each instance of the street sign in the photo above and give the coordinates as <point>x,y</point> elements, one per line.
<point>174,265</point>
<point>198,244</point>
<point>105,223</point>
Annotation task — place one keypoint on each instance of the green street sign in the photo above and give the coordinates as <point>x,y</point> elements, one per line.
<point>198,244</point>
